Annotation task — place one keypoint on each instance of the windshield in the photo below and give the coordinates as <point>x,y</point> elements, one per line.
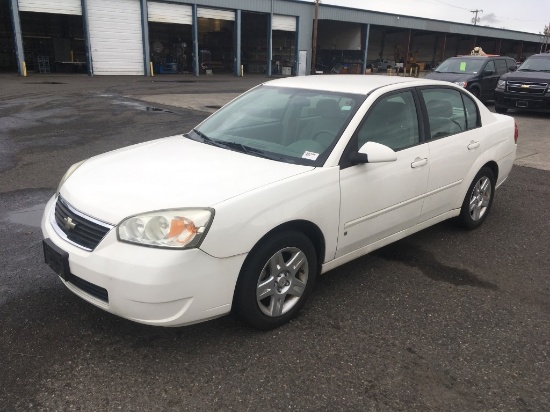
<point>285,124</point>
<point>461,66</point>
<point>536,64</point>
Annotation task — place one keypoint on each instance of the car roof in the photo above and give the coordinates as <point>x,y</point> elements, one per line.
<point>469,56</point>
<point>348,83</point>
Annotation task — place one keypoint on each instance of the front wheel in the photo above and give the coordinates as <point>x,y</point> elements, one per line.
<point>476,92</point>
<point>478,200</point>
<point>275,280</point>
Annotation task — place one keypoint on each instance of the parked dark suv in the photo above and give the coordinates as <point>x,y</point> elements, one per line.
<point>478,74</point>
<point>527,88</point>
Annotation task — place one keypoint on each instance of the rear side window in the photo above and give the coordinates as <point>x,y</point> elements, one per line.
<point>446,112</point>
<point>472,118</point>
<point>490,66</point>
<point>501,66</point>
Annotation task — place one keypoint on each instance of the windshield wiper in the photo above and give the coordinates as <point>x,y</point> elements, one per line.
<point>250,150</point>
<point>207,140</point>
<point>527,70</point>
<point>234,146</point>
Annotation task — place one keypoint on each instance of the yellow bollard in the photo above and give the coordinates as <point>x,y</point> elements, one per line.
<point>242,70</point>
<point>151,66</point>
<point>24,69</point>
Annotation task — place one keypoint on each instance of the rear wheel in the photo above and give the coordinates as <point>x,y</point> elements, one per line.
<point>478,200</point>
<point>275,280</point>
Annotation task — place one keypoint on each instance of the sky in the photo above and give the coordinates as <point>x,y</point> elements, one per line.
<point>522,15</point>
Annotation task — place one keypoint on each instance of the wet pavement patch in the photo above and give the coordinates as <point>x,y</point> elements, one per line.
<point>157,109</point>
<point>175,81</point>
<point>139,106</point>
<point>45,83</point>
<point>30,216</point>
<point>412,256</point>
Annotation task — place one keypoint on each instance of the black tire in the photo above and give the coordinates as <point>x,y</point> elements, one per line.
<point>476,92</point>
<point>501,109</point>
<point>478,200</point>
<point>285,292</point>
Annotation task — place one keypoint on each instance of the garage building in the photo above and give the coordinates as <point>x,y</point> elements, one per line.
<point>274,37</point>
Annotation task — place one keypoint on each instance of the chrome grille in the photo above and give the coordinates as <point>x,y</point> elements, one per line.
<point>78,228</point>
<point>531,88</point>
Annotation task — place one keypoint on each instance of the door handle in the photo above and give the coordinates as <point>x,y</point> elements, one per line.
<point>418,162</point>
<point>473,145</point>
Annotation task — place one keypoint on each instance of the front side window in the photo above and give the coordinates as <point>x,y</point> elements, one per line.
<point>392,121</point>
<point>446,114</point>
<point>286,124</point>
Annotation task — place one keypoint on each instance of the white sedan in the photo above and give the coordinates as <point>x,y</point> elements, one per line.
<point>292,179</point>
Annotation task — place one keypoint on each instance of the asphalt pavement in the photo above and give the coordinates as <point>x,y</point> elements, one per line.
<point>445,319</point>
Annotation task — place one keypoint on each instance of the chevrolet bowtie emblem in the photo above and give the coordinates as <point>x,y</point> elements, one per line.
<point>69,224</point>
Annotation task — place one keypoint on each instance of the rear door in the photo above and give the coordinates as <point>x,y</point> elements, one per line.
<point>455,145</point>
<point>488,81</point>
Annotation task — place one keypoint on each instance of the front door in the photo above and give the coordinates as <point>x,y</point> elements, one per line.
<point>380,199</point>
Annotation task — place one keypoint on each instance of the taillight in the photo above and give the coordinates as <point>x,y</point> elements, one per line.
<point>516,132</point>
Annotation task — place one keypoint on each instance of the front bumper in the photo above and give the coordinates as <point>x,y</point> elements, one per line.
<point>150,285</point>
<point>522,101</point>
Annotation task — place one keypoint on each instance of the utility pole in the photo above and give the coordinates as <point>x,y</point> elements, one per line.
<point>475,19</point>
<point>314,48</point>
<point>546,34</point>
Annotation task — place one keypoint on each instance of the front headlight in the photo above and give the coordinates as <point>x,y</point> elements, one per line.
<point>461,84</point>
<point>68,174</point>
<point>501,84</point>
<point>178,229</point>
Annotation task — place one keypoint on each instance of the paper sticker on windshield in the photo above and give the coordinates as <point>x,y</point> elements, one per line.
<point>346,108</point>
<point>310,155</point>
<point>462,66</point>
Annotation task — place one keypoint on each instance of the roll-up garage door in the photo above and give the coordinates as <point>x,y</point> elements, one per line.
<point>115,36</point>
<point>51,6</point>
<point>284,23</point>
<point>169,13</point>
<point>215,14</point>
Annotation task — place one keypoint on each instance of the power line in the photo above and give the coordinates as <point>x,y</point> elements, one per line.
<point>499,17</point>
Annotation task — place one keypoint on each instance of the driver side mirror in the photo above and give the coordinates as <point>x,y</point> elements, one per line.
<point>488,72</point>
<point>372,152</point>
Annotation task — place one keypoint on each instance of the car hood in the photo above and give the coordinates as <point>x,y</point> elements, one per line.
<point>167,173</point>
<point>450,77</point>
<point>527,77</point>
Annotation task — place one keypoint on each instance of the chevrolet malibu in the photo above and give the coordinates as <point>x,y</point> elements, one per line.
<point>290,180</point>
